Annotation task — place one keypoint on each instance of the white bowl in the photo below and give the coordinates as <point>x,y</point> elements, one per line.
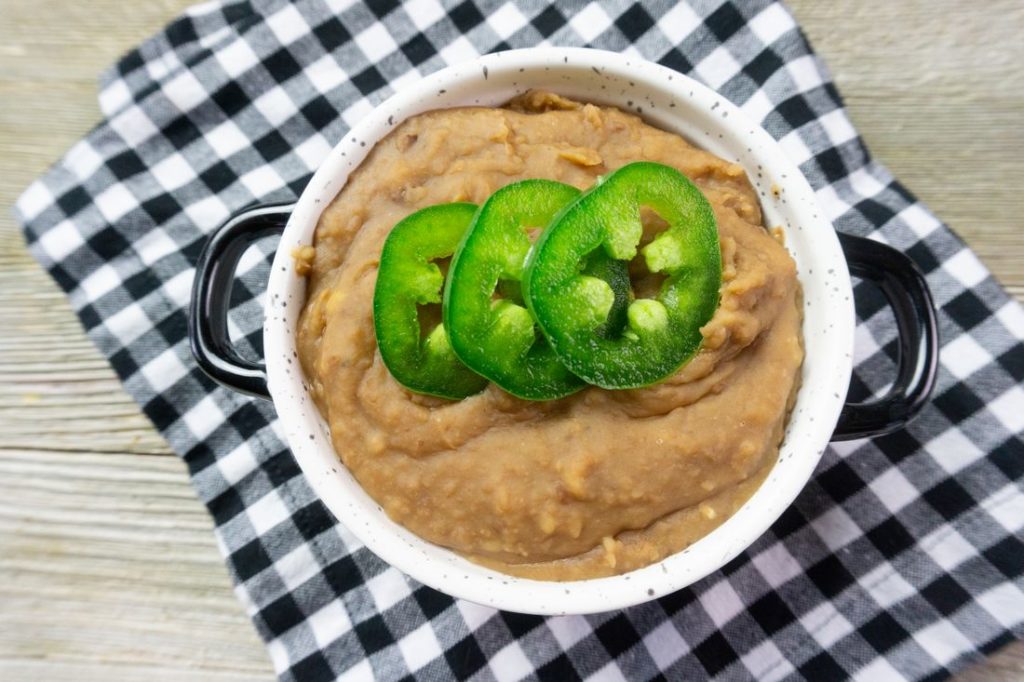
<point>669,101</point>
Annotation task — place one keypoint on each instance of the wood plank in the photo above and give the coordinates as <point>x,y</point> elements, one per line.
<point>104,671</point>
<point>1006,665</point>
<point>109,564</point>
<point>936,89</point>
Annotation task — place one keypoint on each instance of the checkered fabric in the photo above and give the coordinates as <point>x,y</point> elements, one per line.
<point>904,555</point>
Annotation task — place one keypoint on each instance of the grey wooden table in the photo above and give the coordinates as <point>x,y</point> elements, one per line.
<point>108,568</point>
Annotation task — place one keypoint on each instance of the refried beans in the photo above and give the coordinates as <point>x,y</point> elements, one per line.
<point>595,484</point>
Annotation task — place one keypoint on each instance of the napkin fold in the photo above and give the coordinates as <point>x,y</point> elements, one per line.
<point>903,557</point>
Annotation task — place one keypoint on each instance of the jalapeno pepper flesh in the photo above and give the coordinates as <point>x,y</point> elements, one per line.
<point>408,277</point>
<point>661,333</point>
<point>490,328</point>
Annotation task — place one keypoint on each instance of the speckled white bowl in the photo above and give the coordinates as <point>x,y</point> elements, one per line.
<point>667,100</point>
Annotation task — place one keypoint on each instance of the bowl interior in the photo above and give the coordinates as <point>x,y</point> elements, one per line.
<point>669,101</point>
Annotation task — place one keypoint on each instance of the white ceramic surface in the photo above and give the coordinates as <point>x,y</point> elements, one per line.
<point>665,99</point>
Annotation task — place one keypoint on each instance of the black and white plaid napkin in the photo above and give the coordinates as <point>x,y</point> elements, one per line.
<point>903,557</point>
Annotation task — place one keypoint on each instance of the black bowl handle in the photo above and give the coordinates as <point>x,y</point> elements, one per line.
<point>907,293</point>
<point>211,298</point>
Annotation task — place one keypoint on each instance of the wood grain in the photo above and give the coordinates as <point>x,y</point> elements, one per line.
<point>108,563</point>
<point>937,91</point>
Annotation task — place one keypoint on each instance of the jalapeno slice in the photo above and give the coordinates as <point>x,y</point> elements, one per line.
<point>408,278</point>
<point>661,333</point>
<point>490,328</point>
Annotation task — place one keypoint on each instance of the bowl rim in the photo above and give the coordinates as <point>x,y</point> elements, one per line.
<point>454,575</point>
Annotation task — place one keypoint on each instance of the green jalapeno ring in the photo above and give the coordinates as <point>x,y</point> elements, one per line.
<point>661,333</point>
<point>407,278</point>
<point>498,337</point>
